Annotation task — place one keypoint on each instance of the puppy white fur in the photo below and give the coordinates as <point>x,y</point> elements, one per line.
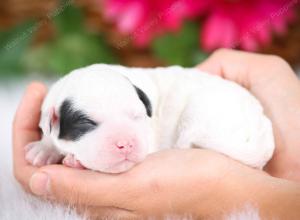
<point>108,118</point>
<point>29,208</point>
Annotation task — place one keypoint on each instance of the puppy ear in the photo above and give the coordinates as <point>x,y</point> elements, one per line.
<point>145,100</point>
<point>53,119</point>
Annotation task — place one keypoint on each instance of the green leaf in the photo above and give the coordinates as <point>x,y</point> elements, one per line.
<point>72,48</point>
<point>13,46</point>
<point>69,52</point>
<point>180,48</point>
<point>78,50</point>
<point>37,58</point>
<point>67,18</point>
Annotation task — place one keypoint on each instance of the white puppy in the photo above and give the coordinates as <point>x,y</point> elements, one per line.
<point>108,118</point>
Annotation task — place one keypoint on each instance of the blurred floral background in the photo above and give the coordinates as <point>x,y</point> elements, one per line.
<point>53,37</point>
<point>44,39</point>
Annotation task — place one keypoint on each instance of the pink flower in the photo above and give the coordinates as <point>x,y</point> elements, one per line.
<point>246,24</point>
<point>145,19</point>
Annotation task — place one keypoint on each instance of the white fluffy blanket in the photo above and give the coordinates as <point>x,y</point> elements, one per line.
<point>15,204</point>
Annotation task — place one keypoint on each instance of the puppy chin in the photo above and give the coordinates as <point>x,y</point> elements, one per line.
<point>123,166</point>
<point>114,165</point>
<point>120,167</point>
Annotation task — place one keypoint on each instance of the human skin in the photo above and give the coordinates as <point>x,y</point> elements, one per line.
<point>276,86</point>
<point>194,181</point>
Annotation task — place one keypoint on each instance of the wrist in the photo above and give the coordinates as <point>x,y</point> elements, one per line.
<point>280,199</point>
<point>279,93</point>
<point>232,189</point>
<point>271,197</point>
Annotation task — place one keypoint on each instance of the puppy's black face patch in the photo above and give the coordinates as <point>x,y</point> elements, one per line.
<point>144,98</point>
<point>73,123</point>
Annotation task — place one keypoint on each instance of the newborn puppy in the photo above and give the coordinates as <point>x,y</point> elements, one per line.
<point>108,118</point>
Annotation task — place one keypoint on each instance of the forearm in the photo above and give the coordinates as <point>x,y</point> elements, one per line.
<point>272,198</point>
<point>284,88</point>
<point>242,190</point>
<point>280,200</point>
<point>283,109</point>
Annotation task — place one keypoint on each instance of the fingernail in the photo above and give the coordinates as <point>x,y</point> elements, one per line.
<point>39,183</point>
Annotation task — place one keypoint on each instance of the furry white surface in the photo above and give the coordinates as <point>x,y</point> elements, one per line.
<point>14,202</point>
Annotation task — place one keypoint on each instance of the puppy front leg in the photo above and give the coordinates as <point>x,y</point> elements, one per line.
<point>43,152</point>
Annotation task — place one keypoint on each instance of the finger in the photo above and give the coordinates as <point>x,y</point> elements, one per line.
<point>84,187</point>
<point>230,64</point>
<point>25,129</point>
<point>211,65</point>
<point>239,66</point>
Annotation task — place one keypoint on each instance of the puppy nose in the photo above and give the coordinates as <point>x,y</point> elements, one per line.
<point>124,146</point>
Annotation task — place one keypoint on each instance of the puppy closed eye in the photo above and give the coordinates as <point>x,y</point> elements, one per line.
<point>84,124</point>
<point>74,123</point>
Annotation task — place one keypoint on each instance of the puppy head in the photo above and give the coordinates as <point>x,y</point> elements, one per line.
<point>103,120</point>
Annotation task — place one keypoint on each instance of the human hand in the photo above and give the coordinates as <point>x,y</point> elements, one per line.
<point>194,182</point>
<point>26,130</point>
<point>197,183</point>
<point>157,185</point>
<point>276,86</point>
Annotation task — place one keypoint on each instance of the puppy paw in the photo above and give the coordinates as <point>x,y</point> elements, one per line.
<point>39,154</point>
<point>71,161</point>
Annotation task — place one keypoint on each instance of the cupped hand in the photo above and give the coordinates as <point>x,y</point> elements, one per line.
<point>276,86</point>
<point>26,130</point>
<point>193,182</point>
<point>168,182</point>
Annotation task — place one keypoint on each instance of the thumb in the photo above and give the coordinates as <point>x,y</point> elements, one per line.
<point>80,187</point>
<point>211,66</point>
